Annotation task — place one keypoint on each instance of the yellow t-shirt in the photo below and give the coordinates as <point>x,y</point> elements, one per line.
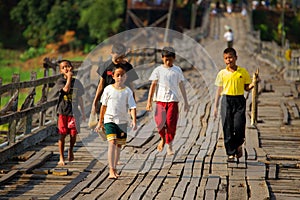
<point>233,82</point>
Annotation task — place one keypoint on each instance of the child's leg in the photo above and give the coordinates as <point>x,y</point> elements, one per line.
<point>112,148</point>
<point>160,119</point>
<point>171,121</point>
<point>117,156</point>
<point>72,143</point>
<point>61,147</point>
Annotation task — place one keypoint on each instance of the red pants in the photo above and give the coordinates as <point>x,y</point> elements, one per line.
<point>66,125</point>
<point>166,117</point>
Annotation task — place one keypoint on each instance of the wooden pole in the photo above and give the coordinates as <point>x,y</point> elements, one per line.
<point>193,16</point>
<point>11,137</point>
<point>254,99</point>
<point>168,21</point>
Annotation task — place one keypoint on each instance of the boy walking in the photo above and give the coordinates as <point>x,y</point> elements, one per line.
<point>70,96</point>
<point>166,79</point>
<point>116,100</point>
<point>231,83</point>
<point>117,60</point>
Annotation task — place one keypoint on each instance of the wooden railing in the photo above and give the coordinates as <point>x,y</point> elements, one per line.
<point>33,115</point>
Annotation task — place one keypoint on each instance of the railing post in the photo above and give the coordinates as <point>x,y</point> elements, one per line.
<point>11,137</point>
<point>28,125</point>
<point>254,99</point>
<point>0,86</point>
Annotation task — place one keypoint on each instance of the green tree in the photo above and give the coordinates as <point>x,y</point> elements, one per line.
<point>102,18</point>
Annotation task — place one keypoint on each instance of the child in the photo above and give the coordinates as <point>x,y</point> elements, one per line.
<point>115,100</point>
<point>228,35</point>
<point>118,52</point>
<point>167,78</point>
<point>231,82</point>
<point>71,91</point>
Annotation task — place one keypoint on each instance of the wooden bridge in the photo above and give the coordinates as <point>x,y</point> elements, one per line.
<point>269,169</point>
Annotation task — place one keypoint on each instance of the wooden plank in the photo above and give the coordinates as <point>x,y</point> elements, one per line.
<point>273,171</point>
<point>11,174</point>
<point>258,189</point>
<point>237,187</point>
<point>212,183</point>
<point>25,156</point>
<point>285,112</point>
<point>170,182</point>
<point>295,109</point>
<point>37,160</point>
<point>251,154</point>
<point>118,187</point>
<point>140,191</point>
<point>256,170</point>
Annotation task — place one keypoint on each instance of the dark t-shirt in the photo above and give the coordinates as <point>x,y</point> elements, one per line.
<point>68,102</point>
<point>105,72</point>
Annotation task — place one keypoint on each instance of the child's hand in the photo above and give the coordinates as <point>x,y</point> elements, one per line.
<point>69,74</point>
<point>99,127</point>
<point>149,106</point>
<point>133,125</point>
<point>186,107</point>
<point>83,118</point>
<point>215,113</point>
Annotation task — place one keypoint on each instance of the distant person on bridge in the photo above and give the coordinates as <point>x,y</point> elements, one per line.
<point>231,83</point>
<point>116,100</point>
<point>228,35</point>
<point>166,80</point>
<point>118,53</point>
<point>70,96</point>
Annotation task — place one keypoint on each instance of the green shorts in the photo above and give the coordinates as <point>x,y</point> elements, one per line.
<point>115,132</point>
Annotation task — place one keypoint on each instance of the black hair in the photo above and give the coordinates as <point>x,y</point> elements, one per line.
<point>117,67</point>
<point>119,49</point>
<point>168,52</point>
<point>67,61</point>
<point>230,50</point>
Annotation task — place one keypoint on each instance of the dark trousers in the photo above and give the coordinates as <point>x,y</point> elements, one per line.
<point>234,122</point>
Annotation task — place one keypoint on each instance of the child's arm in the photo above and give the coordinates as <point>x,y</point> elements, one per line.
<point>150,95</point>
<point>183,92</point>
<point>80,102</point>
<point>133,116</point>
<point>217,97</point>
<point>100,124</point>
<point>98,94</point>
<point>68,76</point>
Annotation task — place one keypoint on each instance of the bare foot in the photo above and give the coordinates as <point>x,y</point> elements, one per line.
<point>170,150</point>
<point>116,173</point>
<point>160,145</point>
<point>70,155</point>
<point>112,177</point>
<point>61,163</point>
<point>112,174</point>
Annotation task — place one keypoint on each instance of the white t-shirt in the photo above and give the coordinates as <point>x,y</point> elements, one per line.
<point>228,36</point>
<point>118,102</point>
<point>168,79</point>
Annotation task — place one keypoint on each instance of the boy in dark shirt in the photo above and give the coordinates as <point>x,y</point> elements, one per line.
<point>70,96</point>
<point>105,72</point>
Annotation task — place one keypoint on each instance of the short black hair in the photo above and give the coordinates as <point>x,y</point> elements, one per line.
<point>67,61</point>
<point>168,52</point>
<point>230,50</point>
<point>119,49</point>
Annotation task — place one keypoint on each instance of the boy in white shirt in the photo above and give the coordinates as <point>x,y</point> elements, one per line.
<point>167,79</point>
<point>116,100</point>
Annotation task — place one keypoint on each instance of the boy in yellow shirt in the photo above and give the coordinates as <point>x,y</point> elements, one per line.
<point>232,82</point>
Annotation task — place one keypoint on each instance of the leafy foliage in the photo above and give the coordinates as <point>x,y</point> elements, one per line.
<point>102,18</point>
<point>44,21</point>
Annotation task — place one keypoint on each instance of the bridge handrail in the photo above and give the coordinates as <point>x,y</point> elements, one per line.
<point>21,121</point>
